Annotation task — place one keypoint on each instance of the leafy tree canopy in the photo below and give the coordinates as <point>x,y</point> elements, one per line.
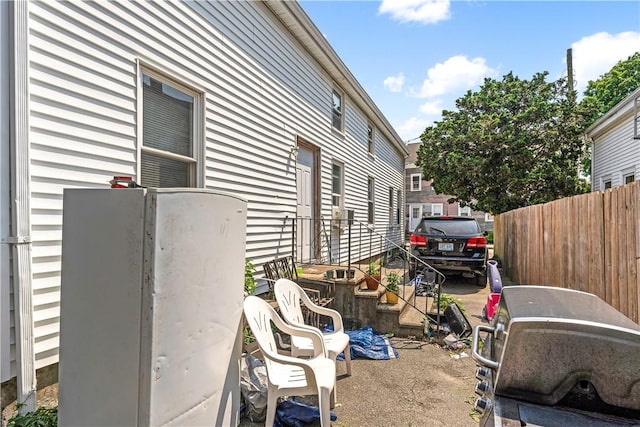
<point>613,86</point>
<point>513,143</point>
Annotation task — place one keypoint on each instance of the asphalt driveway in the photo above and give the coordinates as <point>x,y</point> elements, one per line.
<point>427,385</point>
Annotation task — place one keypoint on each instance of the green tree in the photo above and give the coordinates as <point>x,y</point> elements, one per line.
<point>613,86</point>
<point>513,143</point>
<point>604,93</point>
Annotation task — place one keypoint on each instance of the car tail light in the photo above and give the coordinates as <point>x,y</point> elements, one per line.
<point>417,240</point>
<point>476,243</point>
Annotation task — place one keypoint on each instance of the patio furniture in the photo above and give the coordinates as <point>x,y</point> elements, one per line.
<point>322,295</point>
<point>291,300</point>
<point>289,375</point>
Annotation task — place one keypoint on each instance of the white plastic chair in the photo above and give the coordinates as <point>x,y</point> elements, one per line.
<point>289,375</point>
<point>290,296</point>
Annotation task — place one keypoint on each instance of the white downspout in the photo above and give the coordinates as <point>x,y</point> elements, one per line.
<point>20,240</point>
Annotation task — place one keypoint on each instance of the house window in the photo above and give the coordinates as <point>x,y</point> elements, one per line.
<point>488,217</point>
<point>370,137</point>
<point>606,183</point>
<point>464,211</point>
<point>415,212</point>
<point>398,207</point>
<point>391,209</point>
<point>636,118</point>
<point>436,209</point>
<point>370,200</point>
<point>170,115</point>
<point>416,182</point>
<point>337,185</point>
<point>337,112</point>
<point>628,179</point>
<point>426,210</point>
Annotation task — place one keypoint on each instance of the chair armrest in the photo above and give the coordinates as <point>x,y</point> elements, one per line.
<point>313,294</point>
<point>335,316</point>
<point>313,334</point>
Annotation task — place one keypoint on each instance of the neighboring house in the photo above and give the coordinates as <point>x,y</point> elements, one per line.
<point>422,200</point>
<point>242,97</point>
<point>615,145</point>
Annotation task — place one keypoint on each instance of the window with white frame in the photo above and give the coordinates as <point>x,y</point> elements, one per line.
<point>337,112</point>
<point>415,212</point>
<point>488,217</point>
<point>370,136</point>
<point>605,183</point>
<point>370,200</point>
<point>426,210</point>
<point>337,184</point>
<point>628,179</point>
<point>416,182</point>
<point>436,209</point>
<point>170,127</point>
<point>464,211</point>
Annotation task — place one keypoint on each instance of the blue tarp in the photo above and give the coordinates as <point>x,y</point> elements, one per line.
<point>365,343</point>
<point>294,413</point>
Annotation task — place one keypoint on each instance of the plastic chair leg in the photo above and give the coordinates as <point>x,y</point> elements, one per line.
<point>324,398</point>
<point>272,403</point>
<point>347,359</point>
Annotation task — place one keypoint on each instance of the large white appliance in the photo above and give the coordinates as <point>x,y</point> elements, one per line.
<point>151,307</point>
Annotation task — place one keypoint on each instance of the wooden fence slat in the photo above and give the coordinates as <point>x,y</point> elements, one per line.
<point>632,290</point>
<point>608,234</point>
<point>589,242</point>
<point>635,196</point>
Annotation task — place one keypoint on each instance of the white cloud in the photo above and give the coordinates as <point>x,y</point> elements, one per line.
<point>594,55</point>
<point>457,73</point>
<point>422,11</point>
<point>394,83</point>
<point>412,128</point>
<point>432,108</point>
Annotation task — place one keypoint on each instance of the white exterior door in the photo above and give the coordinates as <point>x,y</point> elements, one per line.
<point>305,204</point>
<point>415,214</point>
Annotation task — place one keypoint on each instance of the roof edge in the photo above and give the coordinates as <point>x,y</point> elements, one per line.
<point>296,20</point>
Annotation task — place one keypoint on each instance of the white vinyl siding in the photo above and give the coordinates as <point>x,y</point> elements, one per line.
<point>615,153</point>
<point>260,87</point>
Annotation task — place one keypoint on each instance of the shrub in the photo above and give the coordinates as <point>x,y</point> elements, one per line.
<point>42,417</point>
<point>249,281</point>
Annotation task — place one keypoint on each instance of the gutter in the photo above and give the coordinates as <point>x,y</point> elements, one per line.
<point>20,239</point>
<point>613,111</point>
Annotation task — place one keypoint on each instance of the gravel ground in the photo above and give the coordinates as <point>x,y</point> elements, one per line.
<point>427,385</point>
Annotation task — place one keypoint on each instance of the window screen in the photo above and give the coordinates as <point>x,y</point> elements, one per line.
<point>167,135</point>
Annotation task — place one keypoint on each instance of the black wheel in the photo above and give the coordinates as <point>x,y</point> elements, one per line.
<point>481,280</point>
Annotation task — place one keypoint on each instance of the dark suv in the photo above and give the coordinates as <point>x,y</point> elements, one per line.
<point>450,244</point>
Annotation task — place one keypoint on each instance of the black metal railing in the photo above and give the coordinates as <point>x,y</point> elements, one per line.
<point>354,244</point>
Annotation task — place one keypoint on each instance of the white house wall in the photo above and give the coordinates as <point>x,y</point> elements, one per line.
<point>615,152</point>
<point>262,90</point>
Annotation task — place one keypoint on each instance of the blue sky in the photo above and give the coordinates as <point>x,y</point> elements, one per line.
<point>416,57</point>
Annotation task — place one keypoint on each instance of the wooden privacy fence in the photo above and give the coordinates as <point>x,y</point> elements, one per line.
<point>589,242</point>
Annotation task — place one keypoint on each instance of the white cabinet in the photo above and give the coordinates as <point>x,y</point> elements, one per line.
<point>151,307</point>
